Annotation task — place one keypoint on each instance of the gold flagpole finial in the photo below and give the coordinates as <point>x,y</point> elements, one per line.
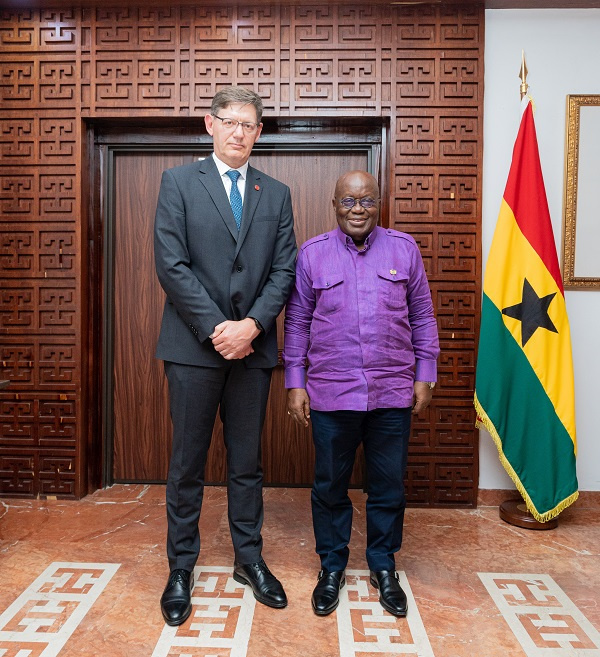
<point>523,75</point>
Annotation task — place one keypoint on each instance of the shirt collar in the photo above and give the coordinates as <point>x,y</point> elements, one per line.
<point>224,168</point>
<point>346,240</point>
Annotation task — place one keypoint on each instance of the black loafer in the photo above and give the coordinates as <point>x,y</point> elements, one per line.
<point>265,586</point>
<point>391,596</point>
<point>326,596</point>
<point>176,600</point>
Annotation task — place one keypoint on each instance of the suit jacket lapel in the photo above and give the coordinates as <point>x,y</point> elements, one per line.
<point>209,177</point>
<point>251,199</point>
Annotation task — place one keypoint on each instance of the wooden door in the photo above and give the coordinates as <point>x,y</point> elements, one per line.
<point>141,424</point>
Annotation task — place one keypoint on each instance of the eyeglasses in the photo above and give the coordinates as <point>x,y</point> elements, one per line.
<point>231,124</point>
<point>349,202</point>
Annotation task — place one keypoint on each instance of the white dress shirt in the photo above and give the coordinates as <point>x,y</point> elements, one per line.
<point>224,168</point>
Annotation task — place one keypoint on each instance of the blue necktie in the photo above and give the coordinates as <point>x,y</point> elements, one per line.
<point>235,198</point>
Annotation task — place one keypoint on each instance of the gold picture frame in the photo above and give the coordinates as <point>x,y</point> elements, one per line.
<point>581,225</point>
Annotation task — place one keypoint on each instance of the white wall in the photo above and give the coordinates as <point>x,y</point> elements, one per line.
<point>562,51</point>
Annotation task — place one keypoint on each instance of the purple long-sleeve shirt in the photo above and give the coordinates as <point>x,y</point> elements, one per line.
<point>362,320</point>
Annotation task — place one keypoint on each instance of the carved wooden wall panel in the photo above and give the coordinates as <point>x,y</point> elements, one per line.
<point>420,68</point>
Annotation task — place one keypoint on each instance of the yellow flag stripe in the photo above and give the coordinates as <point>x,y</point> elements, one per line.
<point>511,260</point>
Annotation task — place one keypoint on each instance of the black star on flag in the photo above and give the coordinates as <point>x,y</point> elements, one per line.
<point>532,311</point>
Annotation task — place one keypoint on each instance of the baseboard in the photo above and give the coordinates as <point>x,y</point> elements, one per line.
<point>588,499</point>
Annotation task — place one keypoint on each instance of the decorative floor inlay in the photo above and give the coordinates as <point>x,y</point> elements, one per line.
<point>366,630</point>
<point>43,618</point>
<point>221,619</point>
<point>543,619</point>
<point>463,613</point>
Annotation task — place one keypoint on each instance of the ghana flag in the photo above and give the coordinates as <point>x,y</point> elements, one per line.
<point>524,391</point>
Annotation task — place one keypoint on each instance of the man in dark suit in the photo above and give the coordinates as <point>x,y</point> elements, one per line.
<point>225,250</point>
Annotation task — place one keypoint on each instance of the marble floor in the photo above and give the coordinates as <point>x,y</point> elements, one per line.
<point>84,578</point>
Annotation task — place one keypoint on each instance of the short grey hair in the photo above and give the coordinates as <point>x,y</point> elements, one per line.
<point>229,95</point>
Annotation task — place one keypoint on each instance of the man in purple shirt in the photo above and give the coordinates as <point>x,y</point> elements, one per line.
<point>360,355</point>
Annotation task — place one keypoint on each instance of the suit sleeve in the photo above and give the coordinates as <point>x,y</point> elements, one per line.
<point>277,287</point>
<point>172,260</point>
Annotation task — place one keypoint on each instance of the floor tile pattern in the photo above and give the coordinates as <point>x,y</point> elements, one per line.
<point>43,618</point>
<point>544,620</point>
<point>365,629</point>
<point>221,620</point>
<point>477,587</point>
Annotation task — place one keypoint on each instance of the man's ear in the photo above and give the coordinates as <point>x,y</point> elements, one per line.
<point>209,122</point>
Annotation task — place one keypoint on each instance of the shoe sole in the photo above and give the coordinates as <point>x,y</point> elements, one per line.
<point>264,601</point>
<point>398,614</point>
<point>326,612</point>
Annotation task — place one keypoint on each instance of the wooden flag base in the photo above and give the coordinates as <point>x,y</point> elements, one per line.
<point>515,512</point>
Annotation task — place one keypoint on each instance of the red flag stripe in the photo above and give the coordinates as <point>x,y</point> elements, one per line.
<point>526,196</point>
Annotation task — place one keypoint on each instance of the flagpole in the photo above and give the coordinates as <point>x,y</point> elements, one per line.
<point>514,511</point>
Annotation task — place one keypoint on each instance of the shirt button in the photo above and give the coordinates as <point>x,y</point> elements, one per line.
<point>239,268</point>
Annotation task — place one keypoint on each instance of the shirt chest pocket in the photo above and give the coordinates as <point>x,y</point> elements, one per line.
<point>392,288</point>
<point>329,293</point>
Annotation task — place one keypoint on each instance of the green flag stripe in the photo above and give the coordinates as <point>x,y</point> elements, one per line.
<point>534,440</point>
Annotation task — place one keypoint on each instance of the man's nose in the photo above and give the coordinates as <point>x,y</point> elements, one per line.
<point>240,128</point>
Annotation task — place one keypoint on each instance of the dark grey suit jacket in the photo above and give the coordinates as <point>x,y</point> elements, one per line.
<point>210,272</point>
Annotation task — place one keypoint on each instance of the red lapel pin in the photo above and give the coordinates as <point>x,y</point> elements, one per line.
<point>256,187</point>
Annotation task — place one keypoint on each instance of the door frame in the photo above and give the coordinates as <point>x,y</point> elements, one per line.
<point>107,137</point>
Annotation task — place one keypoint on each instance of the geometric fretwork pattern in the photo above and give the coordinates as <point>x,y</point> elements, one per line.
<point>541,615</point>
<point>364,629</point>
<point>420,68</point>
<point>44,617</point>
<point>220,622</point>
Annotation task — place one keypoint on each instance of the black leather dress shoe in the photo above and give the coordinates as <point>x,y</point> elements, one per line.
<point>391,596</point>
<point>326,596</point>
<point>176,600</point>
<point>265,586</point>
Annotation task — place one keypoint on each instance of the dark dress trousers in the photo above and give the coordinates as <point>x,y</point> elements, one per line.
<point>211,273</point>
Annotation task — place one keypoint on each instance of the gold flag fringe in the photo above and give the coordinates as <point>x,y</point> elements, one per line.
<point>483,421</point>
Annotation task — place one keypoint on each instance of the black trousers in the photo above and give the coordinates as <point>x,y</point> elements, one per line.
<point>196,393</point>
<point>384,433</point>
